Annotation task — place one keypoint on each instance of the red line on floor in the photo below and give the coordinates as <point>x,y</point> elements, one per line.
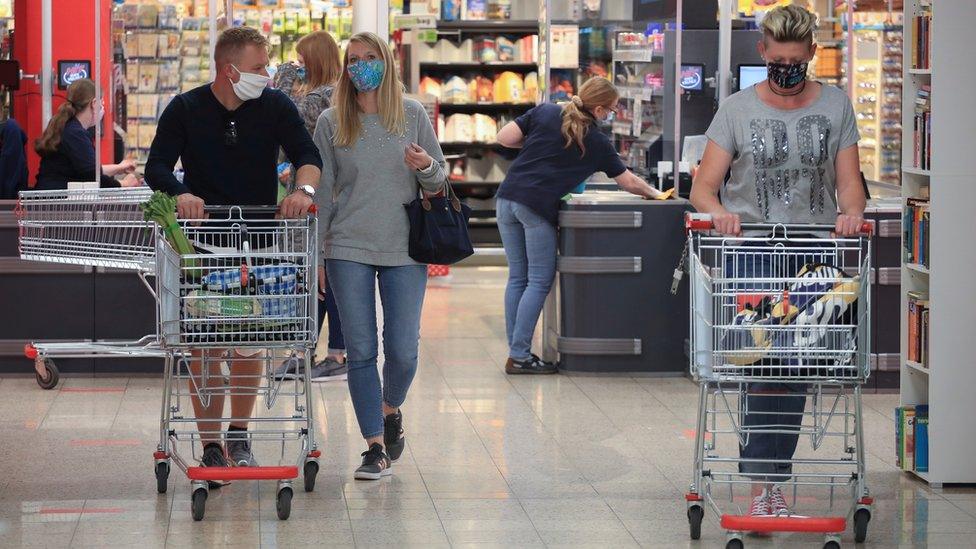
<point>106,442</point>
<point>690,434</point>
<point>80,510</point>
<point>93,390</point>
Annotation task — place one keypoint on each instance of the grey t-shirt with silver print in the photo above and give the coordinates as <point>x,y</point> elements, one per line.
<point>783,161</point>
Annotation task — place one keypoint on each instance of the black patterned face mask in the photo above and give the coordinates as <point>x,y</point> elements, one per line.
<point>787,75</point>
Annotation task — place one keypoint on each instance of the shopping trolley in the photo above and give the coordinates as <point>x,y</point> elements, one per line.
<point>250,288</point>
<point>100,228</point>
<point>781,314</point>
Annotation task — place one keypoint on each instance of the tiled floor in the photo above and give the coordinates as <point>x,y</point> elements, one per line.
<point>491,461</point>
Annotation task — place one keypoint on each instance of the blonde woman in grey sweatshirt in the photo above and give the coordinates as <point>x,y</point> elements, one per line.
<point>378,151</point>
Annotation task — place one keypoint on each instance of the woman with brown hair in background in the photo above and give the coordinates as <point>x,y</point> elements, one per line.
<point>309,83</point>
<point>67,150</point>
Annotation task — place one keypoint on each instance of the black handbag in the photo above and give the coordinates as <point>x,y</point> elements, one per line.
<point>439,229</point>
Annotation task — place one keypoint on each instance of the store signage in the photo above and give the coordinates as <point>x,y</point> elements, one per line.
<point>692,77</point>
<point>72,70</point>
<point>415,21</point>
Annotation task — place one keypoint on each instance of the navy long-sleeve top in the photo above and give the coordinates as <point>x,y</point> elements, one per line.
<point>228,157</point>
<point>73,161</point>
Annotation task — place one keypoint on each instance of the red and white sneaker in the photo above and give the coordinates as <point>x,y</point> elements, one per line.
<point>760,506</point>
<point>777,503</point>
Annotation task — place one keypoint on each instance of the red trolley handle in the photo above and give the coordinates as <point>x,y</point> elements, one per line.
<point>698,222</point>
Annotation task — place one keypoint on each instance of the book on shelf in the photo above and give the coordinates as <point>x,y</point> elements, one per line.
<point>922,438</point>
<point>908,439</point>
<point>922,34</point>
<point>922,128</point>
<point>923,338</point>
<point>918,304</point>
<point>915,228</point>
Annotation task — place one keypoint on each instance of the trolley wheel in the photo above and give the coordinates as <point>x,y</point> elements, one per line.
<point>831,545</point>
<point>199,503</point>
<point>695,516</point>
<point>734,544</point>
<point>311,470</point>
<point>49,381</point>
<point>284,503</point>
<point>162,475</point>
<point>861,519</point>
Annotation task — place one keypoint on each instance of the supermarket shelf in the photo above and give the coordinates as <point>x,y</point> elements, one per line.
<point>646,55</point>
<point>917,366</point>
<point>917,268</point>
<point>482,107</point>
<point>510,26</point>
<point>915,171</point>
<point>473,66</point>
<point>920,71</point>
<point>636,92</point>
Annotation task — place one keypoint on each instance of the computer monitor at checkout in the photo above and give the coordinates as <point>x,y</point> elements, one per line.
<point>750,75</point>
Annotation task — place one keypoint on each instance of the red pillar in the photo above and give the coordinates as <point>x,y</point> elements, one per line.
<point>73,37</point>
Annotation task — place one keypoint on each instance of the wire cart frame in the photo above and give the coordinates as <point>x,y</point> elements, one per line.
<point>780,312</point>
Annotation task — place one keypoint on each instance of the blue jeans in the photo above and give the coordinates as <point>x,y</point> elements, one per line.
<point>782,411</point>
<point>328,307</point>
<point>530,246</point>
<point>402,295</point>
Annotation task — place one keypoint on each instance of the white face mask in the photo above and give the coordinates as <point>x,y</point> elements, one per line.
<point>250,86</point>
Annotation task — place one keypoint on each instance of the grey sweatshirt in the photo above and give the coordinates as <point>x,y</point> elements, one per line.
<point>364,187</point>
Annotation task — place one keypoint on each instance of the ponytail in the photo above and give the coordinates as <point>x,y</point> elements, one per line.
<point>577,114</point>
<point>51,138</point>
<point>80,95</point>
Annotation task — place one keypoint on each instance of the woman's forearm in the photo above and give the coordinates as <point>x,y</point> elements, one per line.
<point>111,170</point>
<point>851,200</point>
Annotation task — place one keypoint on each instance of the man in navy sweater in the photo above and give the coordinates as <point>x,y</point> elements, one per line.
<point>227,135</point>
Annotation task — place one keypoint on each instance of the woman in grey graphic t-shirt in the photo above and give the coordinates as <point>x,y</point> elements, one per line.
<point>791,145</point>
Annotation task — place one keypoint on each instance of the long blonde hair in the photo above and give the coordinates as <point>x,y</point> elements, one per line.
<point>81,93</point>
<point>390,95</point>
<point>321,55</point>
<point>578,113</point>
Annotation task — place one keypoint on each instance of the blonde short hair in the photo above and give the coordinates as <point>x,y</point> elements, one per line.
<point>789,24</point>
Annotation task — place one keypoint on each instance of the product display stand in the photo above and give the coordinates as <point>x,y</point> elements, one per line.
<point>946,376</point>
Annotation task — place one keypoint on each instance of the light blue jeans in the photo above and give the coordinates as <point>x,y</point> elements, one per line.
<point>402,295</point>
<point>530,246</point>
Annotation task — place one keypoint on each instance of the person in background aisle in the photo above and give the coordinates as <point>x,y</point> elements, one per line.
<point>378,150</point>
<point>227,135</point>
<point>310,83</point>
<point>560,146</point>
<point>792,147</point>
<point>67,150</point>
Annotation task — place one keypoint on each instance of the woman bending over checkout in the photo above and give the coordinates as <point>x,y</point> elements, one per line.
<point>378,150</point>
<point>561,146</point>
<point>792,148</point>
<point>67,151</point>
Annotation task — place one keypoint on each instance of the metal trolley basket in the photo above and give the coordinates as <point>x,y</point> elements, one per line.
<point>251,288</point>
<point>101,228</point>
<point>780,315</point>
<point>247,294</point>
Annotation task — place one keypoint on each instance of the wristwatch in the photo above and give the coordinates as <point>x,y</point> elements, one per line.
<point>308,189</point>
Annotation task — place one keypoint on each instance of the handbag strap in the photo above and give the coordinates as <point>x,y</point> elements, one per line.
<point>455,201</point>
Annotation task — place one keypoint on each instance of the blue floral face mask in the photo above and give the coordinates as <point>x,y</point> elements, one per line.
<point>367,75</point>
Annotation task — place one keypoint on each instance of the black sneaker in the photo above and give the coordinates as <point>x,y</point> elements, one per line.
<point>213,456</point>
<point>534,365</point>
<point>376,464</point>
<point>393,435</point>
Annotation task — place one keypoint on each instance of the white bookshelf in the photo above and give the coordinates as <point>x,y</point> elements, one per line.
<point>948,385</point>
